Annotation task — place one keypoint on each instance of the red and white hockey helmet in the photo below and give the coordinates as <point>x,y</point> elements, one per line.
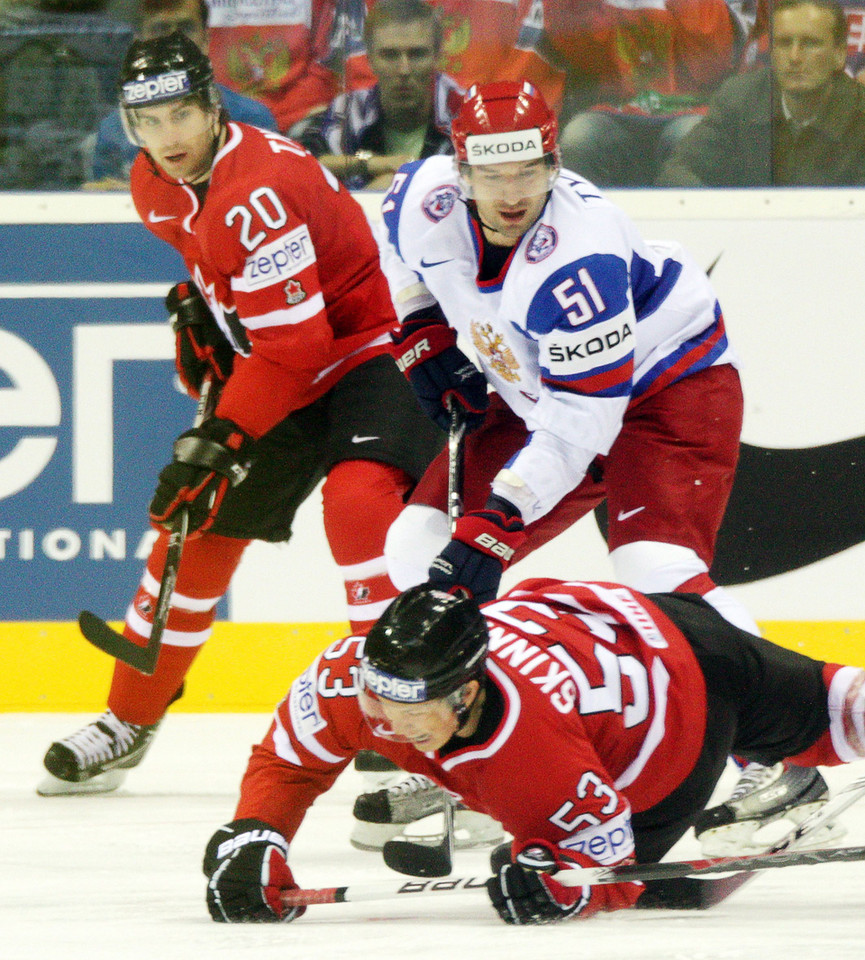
<point>502,122</point>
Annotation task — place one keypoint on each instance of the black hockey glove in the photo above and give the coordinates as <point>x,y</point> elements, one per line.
<point>207,460</point>
<point>246,861</point>
<point>201,348</point>
<point>483,545</point>
<point>426,351</point>
<point>523,892</point>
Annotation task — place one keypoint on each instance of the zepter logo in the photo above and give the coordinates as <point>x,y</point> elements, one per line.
<point>393,688</point>
<point>170,85</point>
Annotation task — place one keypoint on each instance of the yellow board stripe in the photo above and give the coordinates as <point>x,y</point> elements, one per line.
<point>248,667</point>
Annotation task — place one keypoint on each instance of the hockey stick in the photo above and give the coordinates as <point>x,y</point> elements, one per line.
<point>702,894</point>
<point>582,876</point>
<point>116,644</point>
<point>407,856</point>
<point>456,443</point>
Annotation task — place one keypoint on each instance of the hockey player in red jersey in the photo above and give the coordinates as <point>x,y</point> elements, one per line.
<point>591,720</point>
<point>289,314</point>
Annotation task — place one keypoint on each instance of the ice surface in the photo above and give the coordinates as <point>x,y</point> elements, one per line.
<point>119,877</point>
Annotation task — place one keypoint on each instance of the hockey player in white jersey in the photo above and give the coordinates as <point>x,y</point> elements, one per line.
<point>611,373</point>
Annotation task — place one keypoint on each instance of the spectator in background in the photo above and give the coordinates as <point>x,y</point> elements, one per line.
<point>58,69</point>
<point>653,67</point>
<point>365,136</point>
<point>854,10</point>
<point>482,41</point>
<point>799,122</point>
<point>276,51</point>
<point>114,153</point>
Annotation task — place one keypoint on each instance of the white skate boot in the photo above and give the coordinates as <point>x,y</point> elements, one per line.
<point>391,811</point>
<point>763,796</point>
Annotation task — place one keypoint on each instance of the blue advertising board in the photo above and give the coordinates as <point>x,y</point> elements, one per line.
<point>89,408</point>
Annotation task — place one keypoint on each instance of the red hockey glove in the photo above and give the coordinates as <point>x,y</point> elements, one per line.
<point>525,891</point>
<point>246,861</point>
<point>207,460</point>
<point>426,352</point>
<point>201,348</point>
<point>483,545</point>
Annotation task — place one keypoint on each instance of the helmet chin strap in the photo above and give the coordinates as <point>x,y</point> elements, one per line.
<point>473,213</point>
<point>472,207</point>
<point>462,710</point>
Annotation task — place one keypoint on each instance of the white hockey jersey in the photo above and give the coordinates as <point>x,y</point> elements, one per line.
<point>584,319</point>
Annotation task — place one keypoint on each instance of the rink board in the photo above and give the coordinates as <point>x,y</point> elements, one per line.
<point>247,667</point>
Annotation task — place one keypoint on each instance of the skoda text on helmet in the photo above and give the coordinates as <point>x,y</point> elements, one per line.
<point>162,70</point>
<point>504,122</point>
<point>427,645</point>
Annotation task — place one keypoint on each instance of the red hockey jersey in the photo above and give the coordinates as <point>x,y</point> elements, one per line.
<point>288,264</point>
<point>604,714</point>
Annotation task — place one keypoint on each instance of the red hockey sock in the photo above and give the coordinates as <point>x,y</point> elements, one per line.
<point>206,569</point>
<point>362,498</point>
<point>137,698</point>
<point>844,741</point>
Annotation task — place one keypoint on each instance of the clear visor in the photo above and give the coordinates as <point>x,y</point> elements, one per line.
<point>509,182</point>
<point>423,716</point>
<point>370,707</point>
<point>207,99</point>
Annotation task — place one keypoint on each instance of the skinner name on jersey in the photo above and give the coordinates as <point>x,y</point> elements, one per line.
<point>277,261</point>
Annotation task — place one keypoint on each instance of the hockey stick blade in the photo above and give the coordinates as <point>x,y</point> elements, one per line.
<point>580,876</point>
<point>143,659</point>
<point>424,859</point>
<point>97,632</point>
<point>417,859</point>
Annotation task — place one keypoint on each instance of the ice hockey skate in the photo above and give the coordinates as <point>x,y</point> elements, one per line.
<point>96,758</point>
<point>764,796</point>
<point>397,810</point>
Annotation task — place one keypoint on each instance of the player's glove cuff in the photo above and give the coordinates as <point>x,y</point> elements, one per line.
<point>483,544</point>
<point>426,352</point>
<point>419,340</point>
<point>497,530</point>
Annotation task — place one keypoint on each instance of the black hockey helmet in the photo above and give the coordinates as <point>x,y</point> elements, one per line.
<point>426,645</point>
<point>163,69</point>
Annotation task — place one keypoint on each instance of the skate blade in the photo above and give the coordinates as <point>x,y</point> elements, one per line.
<point>749,837</point>
<point>105,782</point>
<point>373,836</point>
<point>471,830</point>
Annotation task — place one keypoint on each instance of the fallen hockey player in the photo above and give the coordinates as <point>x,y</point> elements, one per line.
<point>591,721</point>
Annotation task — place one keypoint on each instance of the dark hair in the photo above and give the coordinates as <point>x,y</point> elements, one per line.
<point>402,11</point>
<point>149,8</point>
<point>832,7</point>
